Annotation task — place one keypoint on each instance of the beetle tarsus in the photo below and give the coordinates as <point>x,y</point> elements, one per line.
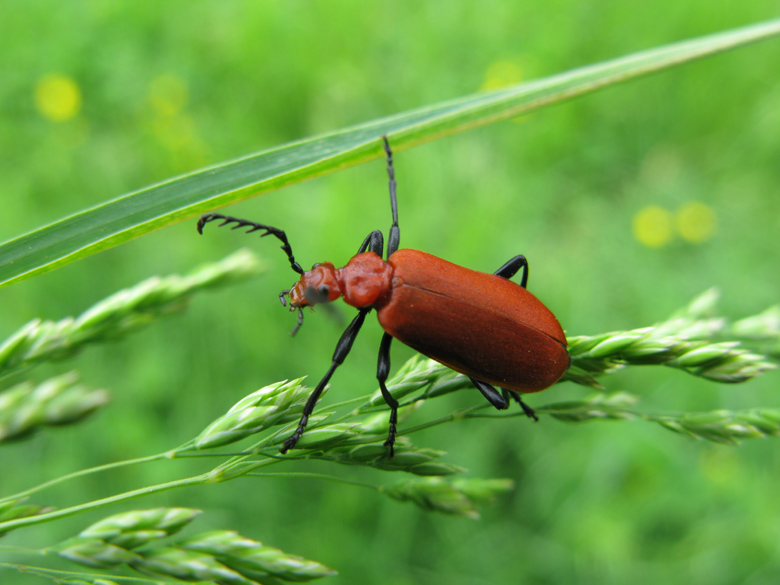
<point>529,412</point>
<point>391,438</point>
<point>290,441</point>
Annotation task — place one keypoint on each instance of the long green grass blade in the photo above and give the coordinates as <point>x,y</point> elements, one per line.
<point>157,206</point>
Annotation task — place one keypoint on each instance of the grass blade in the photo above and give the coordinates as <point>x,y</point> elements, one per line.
<point>116,221</point>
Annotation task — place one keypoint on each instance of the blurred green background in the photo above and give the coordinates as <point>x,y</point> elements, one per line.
<point>628,203</point>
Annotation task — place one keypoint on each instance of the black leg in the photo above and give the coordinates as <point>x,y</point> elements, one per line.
<point>208,217</point>
<point>374,242</point>
<point>382,371</point>
<point>394,240</point>
<point>283,299</point>
<point>529,412</point>
<point>509,269</point>
<point>493,396</point>
<point>342,349</point>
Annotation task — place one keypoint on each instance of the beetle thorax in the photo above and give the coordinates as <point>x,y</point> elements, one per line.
<point>363,282</point>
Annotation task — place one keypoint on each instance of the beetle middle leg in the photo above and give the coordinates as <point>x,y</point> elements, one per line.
<point>382,371</point>
<point>511,268</point>
<point>342,349</point>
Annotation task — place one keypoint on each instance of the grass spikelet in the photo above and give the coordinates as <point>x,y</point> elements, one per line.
<point>253,559</point>
<point>118,314</point>
<point>723,426</point>
<point>222,557</point>
<point>25,408</point>
<point>276,404</point>
<point>457,498</point>
<point>685,341</point>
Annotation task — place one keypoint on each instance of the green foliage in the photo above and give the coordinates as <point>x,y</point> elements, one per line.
<point>355,437</point>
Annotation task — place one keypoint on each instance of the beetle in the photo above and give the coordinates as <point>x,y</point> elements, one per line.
<point>484,326</point>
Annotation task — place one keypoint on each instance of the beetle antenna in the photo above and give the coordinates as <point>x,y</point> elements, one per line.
<point>395,233</point>
<point>240,223</point>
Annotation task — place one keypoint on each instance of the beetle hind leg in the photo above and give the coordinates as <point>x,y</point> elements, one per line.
<point>493,396</point>
<point>512,267</point>
<point>501,399</point>
<point>529,412</point>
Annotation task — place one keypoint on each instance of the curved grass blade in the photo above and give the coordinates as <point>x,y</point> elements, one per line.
<point>182,197</point>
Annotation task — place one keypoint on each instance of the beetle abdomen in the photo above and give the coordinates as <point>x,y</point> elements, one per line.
<point>478,324</point>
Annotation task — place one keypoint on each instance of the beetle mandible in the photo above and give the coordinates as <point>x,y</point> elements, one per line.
<point>482,325</point>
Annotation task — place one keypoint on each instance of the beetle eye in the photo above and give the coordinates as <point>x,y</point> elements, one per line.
<point>317,295</point>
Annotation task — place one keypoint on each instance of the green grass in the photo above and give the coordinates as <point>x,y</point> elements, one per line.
<point>164,95</point>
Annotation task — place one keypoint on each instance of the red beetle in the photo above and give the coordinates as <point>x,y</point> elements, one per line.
<point>482,325</point>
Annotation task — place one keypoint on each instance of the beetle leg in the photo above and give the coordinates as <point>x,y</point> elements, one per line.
<point>394,239</point>
<point>493,396</point>
<point>374,242</point>
<point>509,269</point>
<point>342,349</point>
<point>240,223</point>
<point>529,412</point>
<point>382,371</point>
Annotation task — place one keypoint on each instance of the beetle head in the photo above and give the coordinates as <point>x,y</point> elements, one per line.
<point>318,285</point>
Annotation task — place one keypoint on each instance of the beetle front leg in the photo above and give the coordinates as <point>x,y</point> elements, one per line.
<point>382,371</point>
<point>342,349</point>
<point>374,242</point>
<point>494,397</point>
<point>394,239</point>
<point>509,269</point>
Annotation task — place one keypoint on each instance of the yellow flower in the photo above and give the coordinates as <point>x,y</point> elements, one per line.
<point>696,222</point>
<point>652,226</point>
<point>57,97</point>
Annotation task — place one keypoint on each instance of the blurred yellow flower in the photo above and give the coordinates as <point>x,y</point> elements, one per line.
<point>57,97</point>
<point>696,222</point>
<point>653,226</point>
